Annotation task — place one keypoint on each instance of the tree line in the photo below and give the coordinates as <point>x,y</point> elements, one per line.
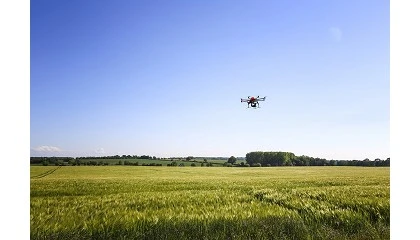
<point>120,157</point>
<point>253,159</point>
<point>290,159</point>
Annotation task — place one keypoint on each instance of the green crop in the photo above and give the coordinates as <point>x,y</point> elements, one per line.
<point>127,202</point>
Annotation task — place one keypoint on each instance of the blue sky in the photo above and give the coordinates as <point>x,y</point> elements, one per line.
<point>165,78</point>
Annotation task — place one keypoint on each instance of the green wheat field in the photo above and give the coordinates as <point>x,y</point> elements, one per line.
<point>139,202</point>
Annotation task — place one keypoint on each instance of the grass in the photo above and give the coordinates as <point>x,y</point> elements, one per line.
<point>126,202</point>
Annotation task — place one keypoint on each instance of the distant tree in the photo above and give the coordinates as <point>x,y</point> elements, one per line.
<point>192,164</point>
<point>189,158</point>
<point>333,163</point>
<point>232,160</point>
<point>367,163</point>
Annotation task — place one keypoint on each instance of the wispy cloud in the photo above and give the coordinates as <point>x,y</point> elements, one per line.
<point>336,33</point>
<point>100,151</point>
<point>46,149</point>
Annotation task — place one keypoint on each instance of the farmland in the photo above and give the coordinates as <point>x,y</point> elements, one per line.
<point>127,202</point>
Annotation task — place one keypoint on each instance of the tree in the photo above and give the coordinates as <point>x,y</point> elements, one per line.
<point>232,160</point>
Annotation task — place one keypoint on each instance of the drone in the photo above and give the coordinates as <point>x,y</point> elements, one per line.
<point>253,101</point>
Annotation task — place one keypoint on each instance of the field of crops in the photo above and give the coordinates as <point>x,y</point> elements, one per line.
<point>128,202</point>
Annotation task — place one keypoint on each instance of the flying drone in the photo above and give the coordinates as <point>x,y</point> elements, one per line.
<point>253,101</point>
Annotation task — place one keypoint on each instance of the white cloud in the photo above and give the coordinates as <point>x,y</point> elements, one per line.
<point>47,149</point>
<point>100,151</point>
<point>336,33</point>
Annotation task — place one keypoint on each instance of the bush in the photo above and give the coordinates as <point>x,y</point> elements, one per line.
<point>232,160</point>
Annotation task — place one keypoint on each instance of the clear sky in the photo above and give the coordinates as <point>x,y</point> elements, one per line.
<point>165,78</point>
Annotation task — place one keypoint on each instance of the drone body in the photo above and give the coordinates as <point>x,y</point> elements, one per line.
<point>253,101</point>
